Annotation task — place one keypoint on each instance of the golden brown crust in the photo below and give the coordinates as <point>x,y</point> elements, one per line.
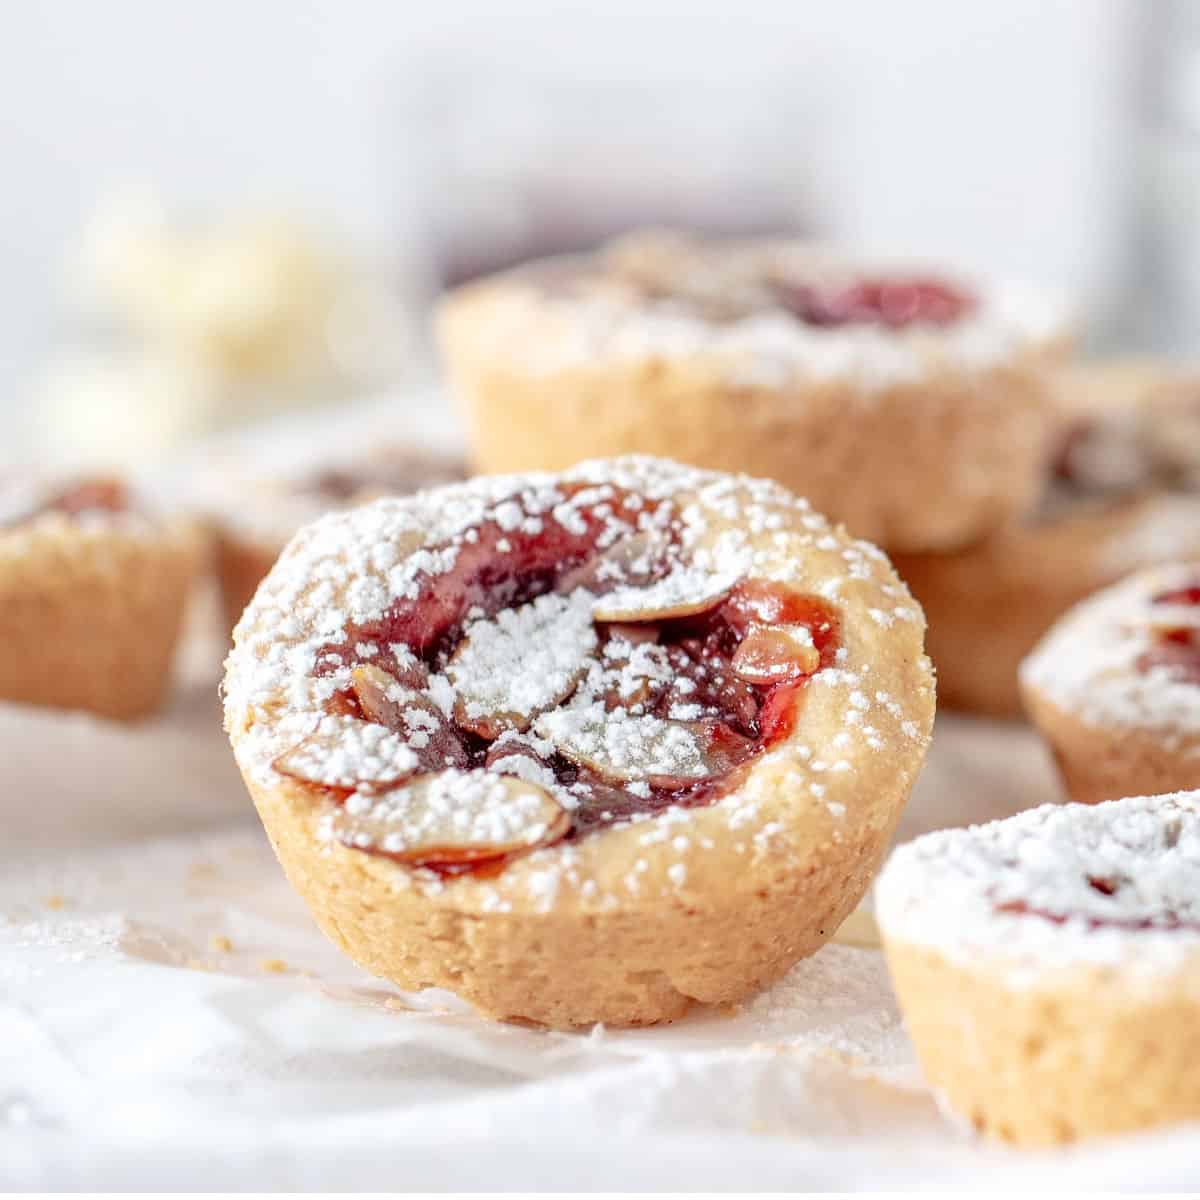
<point>988,605</point>
<point>1106,762</point>
<point>924,463</point>
<point>90,613</point>
<point>737,928</point>
<point>1082,1055</point>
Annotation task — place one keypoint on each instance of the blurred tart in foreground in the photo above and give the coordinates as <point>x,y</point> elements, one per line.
<point>1048,966</point>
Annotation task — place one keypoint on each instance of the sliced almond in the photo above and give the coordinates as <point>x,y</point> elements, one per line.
<point>623,748</point>
<point>383,699</point>
<point>452,818</point>
<point>776,654</point>
<point>410,713</point>
<point>345,752</point>
<point>686,592</point>
<point>521,662</point>
<point>633,633</point>
<point>634,561</point>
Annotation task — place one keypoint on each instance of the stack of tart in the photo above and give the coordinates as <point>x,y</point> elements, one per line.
<point>1121,491</point>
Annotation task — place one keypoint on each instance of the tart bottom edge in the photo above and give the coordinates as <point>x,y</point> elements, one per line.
<point>1051,1064</point>
<point>565,968</point>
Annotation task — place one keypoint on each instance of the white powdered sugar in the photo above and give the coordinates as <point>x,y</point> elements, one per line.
<point>712,301</point>
<point>623,746</point>
<point>464,811</point>
<point>343,751</point>
<point>526,659</point>
<point>1090,663</point>
<point>536,681</point>
<point>1053,888</point>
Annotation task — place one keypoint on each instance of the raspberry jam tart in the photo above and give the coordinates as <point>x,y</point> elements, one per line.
<point>1048,966</point>
<point>629,736</point>
<point>746,355</point>
<point>93,588</point>
<point>1114,687</point>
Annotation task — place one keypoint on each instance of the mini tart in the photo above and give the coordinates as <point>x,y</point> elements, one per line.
<point>1122,492</point>
<point>911,409</point>
<point>92,596</point>
<point>1114,687</point>
<point>251,534</point>
<point>1048,966</point>
<point>581,747</point>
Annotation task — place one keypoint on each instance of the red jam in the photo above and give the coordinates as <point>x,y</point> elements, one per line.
<point>737,719</point>
<point>1175,649</point>
<point>1163,921</point>
<point>893,303</point>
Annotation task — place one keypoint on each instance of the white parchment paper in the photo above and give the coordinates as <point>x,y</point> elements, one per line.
<point>170,1017</point>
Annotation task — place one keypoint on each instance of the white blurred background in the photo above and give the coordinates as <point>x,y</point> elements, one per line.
<point>1027,139</point>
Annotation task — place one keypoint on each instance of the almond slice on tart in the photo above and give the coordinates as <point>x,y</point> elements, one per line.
<point>344,752</point>
<point>454,818</point>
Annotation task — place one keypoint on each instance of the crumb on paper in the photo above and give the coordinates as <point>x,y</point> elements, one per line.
<point>220,943</point>
<point>197,964</point>
<point>274,966</point>
<point>54,900</point>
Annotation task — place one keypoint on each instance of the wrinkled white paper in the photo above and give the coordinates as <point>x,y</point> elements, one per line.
<point>170,1016</point>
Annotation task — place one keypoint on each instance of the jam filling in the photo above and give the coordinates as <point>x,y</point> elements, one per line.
<point>719,672</point>
<point>1175,648</point>
<point>98,495</point>
<point>895,304</point>
<point>1168,921</point>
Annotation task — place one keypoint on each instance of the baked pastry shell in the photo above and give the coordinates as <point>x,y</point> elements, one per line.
<point>91,610</point>
<point>1087,1051</point>
<point>769,870</point>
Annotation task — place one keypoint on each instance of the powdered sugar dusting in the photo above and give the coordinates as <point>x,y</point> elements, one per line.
<point>1057,886</point>
<point>537,680</point>
<point>670,299</point>
<point>476,814</point>
<point>1089,662</point>
<point>343,752</point>
<point>524,660</point>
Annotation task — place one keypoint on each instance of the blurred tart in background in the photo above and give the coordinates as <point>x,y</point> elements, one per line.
<point>1114,687</point>
<point>258,513</point>
<point>1121,492</point>
<point>93,591</point>
<point>907,404</point>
